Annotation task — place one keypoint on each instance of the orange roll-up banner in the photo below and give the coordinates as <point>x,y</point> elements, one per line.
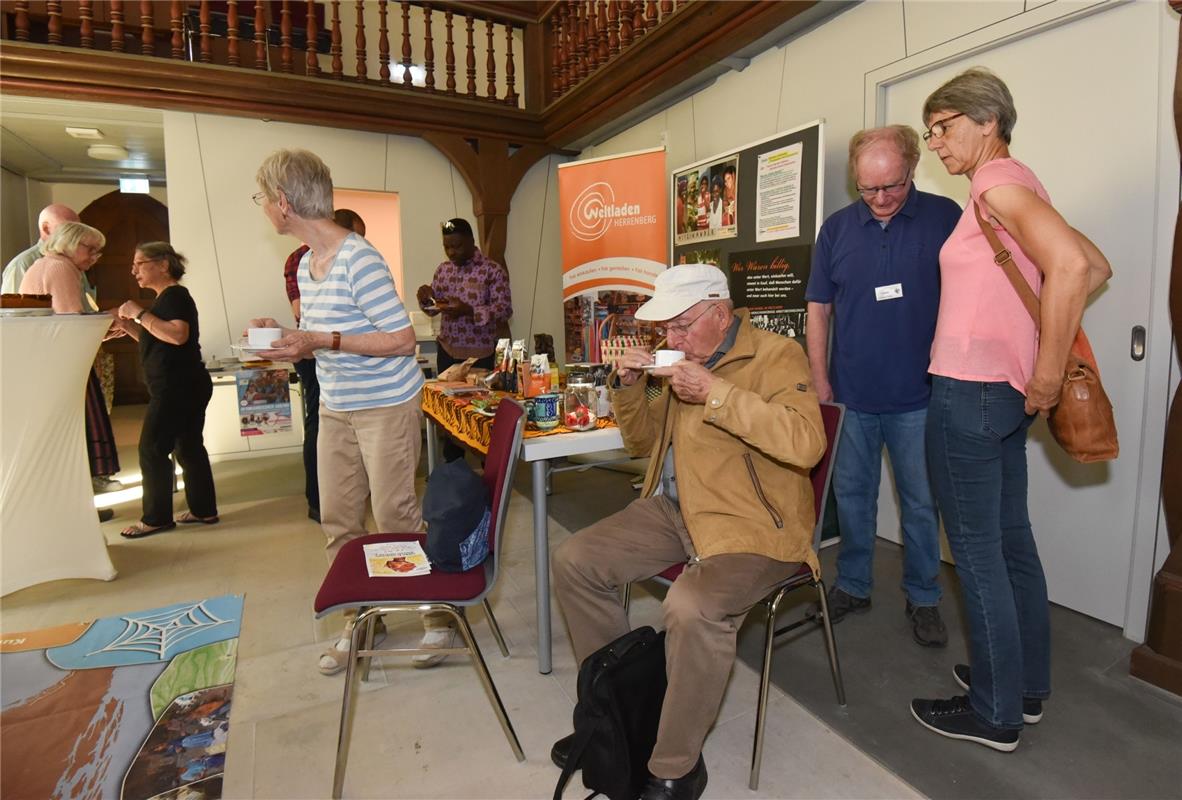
<point>615,240</point>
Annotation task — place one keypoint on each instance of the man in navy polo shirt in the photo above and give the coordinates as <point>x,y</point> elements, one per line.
<point>876,275</point>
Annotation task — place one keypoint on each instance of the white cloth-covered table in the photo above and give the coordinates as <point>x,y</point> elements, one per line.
<point>48,525</point>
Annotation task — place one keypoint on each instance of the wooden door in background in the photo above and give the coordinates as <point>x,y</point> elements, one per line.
<point>126,220</point>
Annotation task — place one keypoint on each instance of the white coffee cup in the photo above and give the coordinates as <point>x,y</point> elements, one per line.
<point>263,337</point>
<point>667,358</point>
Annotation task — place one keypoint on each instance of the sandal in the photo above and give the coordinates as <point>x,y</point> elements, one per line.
<point>189,518</point>
<point>140,530</point>
<point>336,657</point>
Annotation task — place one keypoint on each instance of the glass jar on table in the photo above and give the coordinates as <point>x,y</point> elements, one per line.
<point>579,403</point>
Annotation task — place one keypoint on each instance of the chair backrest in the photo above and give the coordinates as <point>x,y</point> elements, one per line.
<point>500,463</point>
<point>832,417</point>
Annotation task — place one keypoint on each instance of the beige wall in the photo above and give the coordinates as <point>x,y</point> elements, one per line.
<point>16,229</point>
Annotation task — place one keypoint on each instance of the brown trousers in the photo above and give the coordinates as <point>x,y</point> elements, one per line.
<point>702,612</point>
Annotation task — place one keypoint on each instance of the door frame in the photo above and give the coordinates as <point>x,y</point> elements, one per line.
<point>1161,359</point>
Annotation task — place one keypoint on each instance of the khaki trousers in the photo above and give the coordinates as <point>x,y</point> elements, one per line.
<point>370,454</point>
<point>702,612</point>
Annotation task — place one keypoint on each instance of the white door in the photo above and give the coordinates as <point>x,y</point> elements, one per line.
<point>1087,95</point>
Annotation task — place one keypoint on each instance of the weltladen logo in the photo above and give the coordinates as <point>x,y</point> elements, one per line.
<point>594,210</point>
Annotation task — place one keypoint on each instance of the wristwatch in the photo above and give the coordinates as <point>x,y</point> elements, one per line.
<point>336,340</point>
<point>140,316</point>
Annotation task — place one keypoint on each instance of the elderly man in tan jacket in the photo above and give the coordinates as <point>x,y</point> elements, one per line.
<point>732,440</point>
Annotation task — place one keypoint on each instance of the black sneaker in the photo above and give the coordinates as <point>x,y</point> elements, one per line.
<point>840,604</point>
<point>1031,706</point>
<point>955,719</point>
<point>926,625</point>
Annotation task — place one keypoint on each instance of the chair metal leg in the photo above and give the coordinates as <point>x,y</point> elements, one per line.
<point>496,629</point>
<point>349,703</point>
<point>371,623</point>
<point>489,688</point>
<point>626,596</point>
<point>831,644</point>
<point>765,679</point>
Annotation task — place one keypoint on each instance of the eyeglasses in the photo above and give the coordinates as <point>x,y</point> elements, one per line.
<point>447,227</point>
<point>95,250</point>
<point>938,129</point>
<point>258,198</point>
<point>145,261</point>
<point>683,328</point>
<point>871,191</point>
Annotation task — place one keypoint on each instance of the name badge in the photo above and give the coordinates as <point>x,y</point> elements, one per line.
<point>892,292</point>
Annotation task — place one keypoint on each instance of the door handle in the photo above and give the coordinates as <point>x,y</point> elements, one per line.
<point>1137,345</point>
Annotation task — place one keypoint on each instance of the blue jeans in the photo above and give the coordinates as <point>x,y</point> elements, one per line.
<point>976,438</point>
<point>856,477</point>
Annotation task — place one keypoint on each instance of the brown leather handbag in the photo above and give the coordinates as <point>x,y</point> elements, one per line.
<point>1082,422</point>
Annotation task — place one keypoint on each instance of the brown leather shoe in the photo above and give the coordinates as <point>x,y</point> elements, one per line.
<point>688,787</point>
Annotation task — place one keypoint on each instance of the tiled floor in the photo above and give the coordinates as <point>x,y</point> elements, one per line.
<point>419,733</point>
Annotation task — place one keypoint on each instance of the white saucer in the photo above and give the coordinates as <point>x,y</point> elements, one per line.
<point>246,348</point>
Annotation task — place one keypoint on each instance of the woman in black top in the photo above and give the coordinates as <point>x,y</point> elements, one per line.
<point>179,389</point>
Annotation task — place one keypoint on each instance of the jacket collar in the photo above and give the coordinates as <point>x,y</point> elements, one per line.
<point>744,346</point>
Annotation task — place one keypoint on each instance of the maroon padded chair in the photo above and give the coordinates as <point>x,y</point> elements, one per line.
<point>348,586</point>
<point>833,416</point>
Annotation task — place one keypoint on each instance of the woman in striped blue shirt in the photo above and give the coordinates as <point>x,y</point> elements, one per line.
<point>353,322</point>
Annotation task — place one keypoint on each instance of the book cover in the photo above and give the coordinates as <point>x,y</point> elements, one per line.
<point>396,560</point>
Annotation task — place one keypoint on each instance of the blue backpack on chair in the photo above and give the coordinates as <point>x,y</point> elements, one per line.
<point>457,511</point>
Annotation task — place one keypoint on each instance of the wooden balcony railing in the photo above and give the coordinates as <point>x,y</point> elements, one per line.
<point>294,37</point>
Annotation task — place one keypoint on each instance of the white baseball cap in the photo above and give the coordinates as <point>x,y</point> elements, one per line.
<point>679,287</point>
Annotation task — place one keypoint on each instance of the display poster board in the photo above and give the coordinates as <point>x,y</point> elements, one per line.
<point>264,401</point>
<point>755,212</point>
<point>615,230</point>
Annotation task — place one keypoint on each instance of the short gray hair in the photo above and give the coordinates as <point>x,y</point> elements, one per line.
<point>903,137</point>
<point>979,95</point>
<point>302,177</point>
<point>163,251</point>
<point>66,237</point>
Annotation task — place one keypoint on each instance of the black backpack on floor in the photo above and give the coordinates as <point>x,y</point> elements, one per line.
<point>621,690</point>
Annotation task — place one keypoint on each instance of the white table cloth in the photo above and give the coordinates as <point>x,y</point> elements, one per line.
<point>48,525</point>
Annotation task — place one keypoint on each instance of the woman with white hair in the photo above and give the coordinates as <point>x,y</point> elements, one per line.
<point>354,323</point>
<point>72,249</point>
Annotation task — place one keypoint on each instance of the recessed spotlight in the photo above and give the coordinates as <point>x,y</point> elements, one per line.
<point>84,133</point>
<point>107,152</point>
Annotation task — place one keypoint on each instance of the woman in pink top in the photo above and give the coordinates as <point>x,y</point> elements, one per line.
<point>70,250</point>
<point>992,370</point>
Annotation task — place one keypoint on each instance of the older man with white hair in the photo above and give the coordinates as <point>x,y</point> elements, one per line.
<point>731,439</point>
<point>47,221</point>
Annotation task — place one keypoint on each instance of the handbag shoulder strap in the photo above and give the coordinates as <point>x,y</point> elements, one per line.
<point>1004,259</point>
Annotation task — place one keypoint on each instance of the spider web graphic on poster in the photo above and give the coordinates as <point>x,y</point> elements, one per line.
<point>159,632</point>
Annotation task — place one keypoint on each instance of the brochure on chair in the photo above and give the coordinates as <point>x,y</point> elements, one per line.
<point>396,560</point>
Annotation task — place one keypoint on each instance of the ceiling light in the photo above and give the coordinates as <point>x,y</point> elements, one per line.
<point>107,152</point>
<point>84,133</point>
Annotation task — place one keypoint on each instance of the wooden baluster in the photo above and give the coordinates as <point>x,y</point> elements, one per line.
<point>613,28</point>
<point>116,26</point>
<point>383,44</point>
<point>311,60</point>
<point>592,38</point>
<point>471,58</point>
<point>359,43</point>
<point>650,15</point>
<point>54,9</point>
<point>232,33</point>
<point>556,52</point>
<point>85,24</point>
<point>338,67</point>
<point>510,68</point>
<point>428,49</point>
<point>21,23</point>
<point>625,24</point>
<point>572,44</point>
<point>450,54</point>
<point>666,9</point>
<point>604,34</point>
<point>490,62</point>
<point>407,79</point>
<point>637,19</point>
<point>176,10</point>
<point>206,44</point>
<point>260,36</point>
<point>584,40</point>
<point>285,58</point>
<point>147,31</point>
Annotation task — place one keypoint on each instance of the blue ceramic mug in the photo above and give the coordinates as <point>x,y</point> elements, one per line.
<point>546,411</point>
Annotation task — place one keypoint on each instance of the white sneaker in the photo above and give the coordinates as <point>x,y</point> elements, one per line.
<point>441,638</point>
<point>336,658</point>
